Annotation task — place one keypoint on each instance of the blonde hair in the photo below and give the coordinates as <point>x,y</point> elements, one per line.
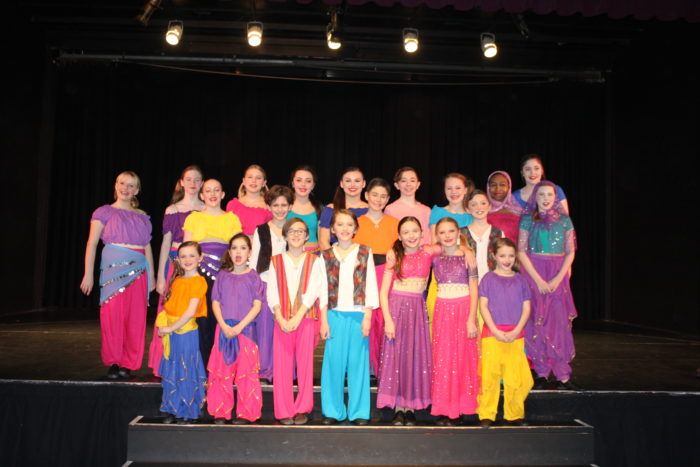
<point>134,201</point>
<point>241,187</point>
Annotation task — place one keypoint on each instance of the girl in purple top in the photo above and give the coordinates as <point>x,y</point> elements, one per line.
<point>126,275</point>
<point>185,199</point>
<point>348,195</point>
<point>236,301</point>
<point>250,205</point>
<point>504,297</point>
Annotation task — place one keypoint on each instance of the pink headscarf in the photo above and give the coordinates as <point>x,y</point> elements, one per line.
<point>509,202</point>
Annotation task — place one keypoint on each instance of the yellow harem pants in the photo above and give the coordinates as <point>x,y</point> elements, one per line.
<point>506,361</point>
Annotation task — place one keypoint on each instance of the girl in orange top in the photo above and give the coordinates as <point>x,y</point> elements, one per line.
<point>378,231</point>
<point>182,370</point>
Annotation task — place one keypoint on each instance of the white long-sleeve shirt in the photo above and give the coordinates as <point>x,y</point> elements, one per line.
<point>316,289</point>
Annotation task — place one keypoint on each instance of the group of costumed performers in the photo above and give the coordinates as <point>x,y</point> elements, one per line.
<point>430,303</point>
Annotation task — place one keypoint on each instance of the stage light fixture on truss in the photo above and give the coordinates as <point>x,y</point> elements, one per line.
<point>255,33</point>
<point>148,8</point>
<point>333,32</point>
<point>488,44</point>
<point>174,34</point>
<point>410,40</point>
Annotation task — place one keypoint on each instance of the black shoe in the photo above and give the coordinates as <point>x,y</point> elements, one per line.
<point>486,423</point>
<point>219,421</point>
<point>182,421</point>
<point>124,373</point>
<point>441,420</point>
<point>360,422</point>
<point>113,372</point>
<point>540,383</point>
<point>399,419</point>
<point>567,386</point>
<point>169,419</point>
<point>240,421</point>
<point>451,421</point>
<point>410,418</point>
<point>329,421</point>
<point>517,422</point>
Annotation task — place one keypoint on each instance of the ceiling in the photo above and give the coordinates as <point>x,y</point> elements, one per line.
<point>532,48</point>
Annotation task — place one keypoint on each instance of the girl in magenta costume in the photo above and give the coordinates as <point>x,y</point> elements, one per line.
<point>405,364</point>
<point>455,377</point>
<point>185,200</point>
<point>546,249</point>
<point>532,173</point>
<point>458,187</point>
<point>126,275</point>
<point>305,205</point>
<point>348,195</point>
<point>236,301</point>
<point>505,211</point>
<point>212,228</point>
<point>407,182</point>
<point>268,241</point>
<point>250,205</point>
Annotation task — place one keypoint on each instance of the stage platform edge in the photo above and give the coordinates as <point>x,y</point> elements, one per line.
<point>150,441</point>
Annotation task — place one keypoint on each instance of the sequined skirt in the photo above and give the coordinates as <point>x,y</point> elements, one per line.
<point>183,377</point>
<point>406,360</point>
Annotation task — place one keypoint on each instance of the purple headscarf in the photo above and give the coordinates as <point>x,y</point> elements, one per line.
<point>509,202</point>
<point>552,214</point>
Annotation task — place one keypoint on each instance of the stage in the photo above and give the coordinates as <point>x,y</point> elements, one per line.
<point>640,394</point>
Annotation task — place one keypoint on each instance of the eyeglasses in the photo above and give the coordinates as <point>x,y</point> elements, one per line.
<point>296,232</point>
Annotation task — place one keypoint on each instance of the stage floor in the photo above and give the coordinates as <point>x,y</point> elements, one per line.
<point>608,356</point>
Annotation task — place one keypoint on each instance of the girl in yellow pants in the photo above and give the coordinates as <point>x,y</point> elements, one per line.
<point>504,298</point>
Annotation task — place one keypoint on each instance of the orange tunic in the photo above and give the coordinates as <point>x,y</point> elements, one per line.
<point>379,237</point>
<point>183,290</point>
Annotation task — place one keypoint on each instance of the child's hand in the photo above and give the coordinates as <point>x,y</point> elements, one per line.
<point>325,330</point>
<point>501,336</point>
<point>237,329</point>
<point>162,331</point>
<point>283,323</point>
<point>389,329</point>
<point>160,286</point>
<point>366,325</point>
<point>543,286</point>
<point>86,285</point>
<point>228,331</point>
<point>151,283</point>
<point>553,284</point>
<point>512,335</point>
<point>472,330</point>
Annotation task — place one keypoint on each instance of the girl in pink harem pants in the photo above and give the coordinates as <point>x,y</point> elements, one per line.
<point>234,360</point>
<point>297,286</point>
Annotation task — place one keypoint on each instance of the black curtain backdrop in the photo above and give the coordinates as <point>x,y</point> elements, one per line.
<point>155,122</point>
